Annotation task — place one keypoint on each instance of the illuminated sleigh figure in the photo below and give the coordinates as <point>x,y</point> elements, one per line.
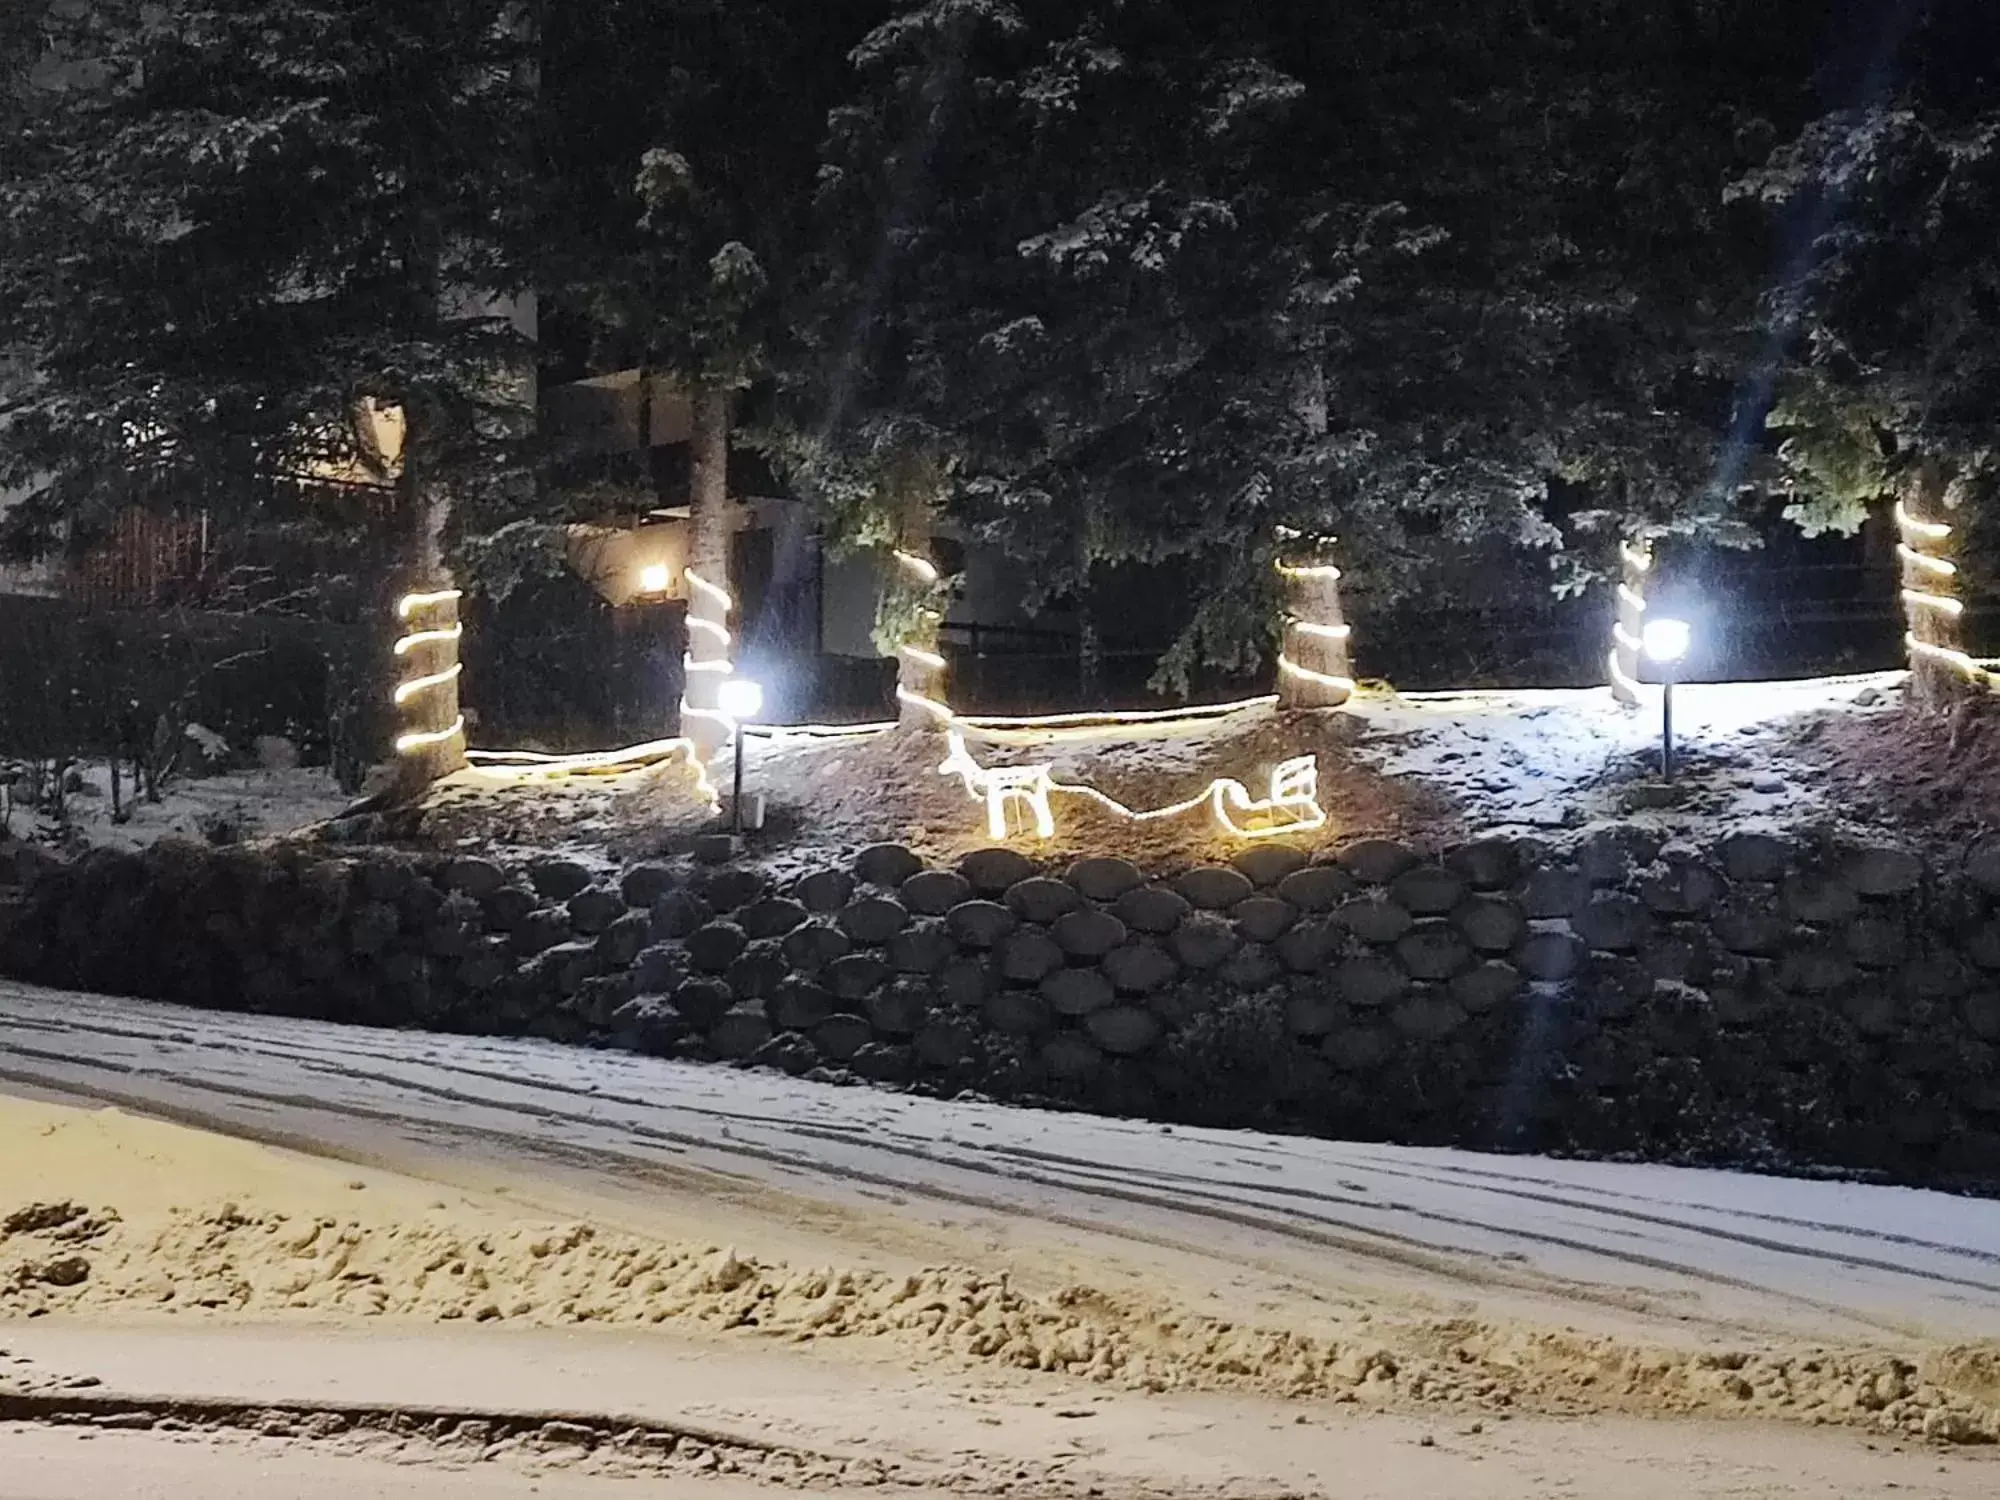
<point>1292,807</point>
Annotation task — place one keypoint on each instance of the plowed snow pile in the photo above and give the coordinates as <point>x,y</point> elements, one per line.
<point>103,1214</point>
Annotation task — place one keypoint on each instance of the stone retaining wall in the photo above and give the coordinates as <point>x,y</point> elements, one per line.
<point>1783,1003</point>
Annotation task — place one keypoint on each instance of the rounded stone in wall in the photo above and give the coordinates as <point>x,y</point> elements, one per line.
<point>678,913</point>
<point>642,885</point>
<point>740,1033</point>
<point>659,968</point>
<point>702,1002</point>
<point>1018,1012</point>
<point>593,909</point>
<point>838,1038</point>
<point>1373,919</point>
<point>900,1008</point>
<point>1486,864</point>
<point>1982,865</point>
<point>1040,899</point>
<point>944,1043</point>
<point>855,975</point>
<point>1684,888</point>
<point>1251,967</point>
<point>1088,934</point>
<point>1982,945</point>
<point>922,949</point>
<point>886,865</point>
<point>1673,955</point>
<point>1123,1030</point>
<point>965,982</point>
<point>873,919</point>
<point>1071,1055</point>
<point>1368,982</point>
<point>1263,919</point>
<point>1267,863</point>
<point>1313,1012</point>
<point>823,890</point>
<point>1937,975</point>
<point>1306,946</point>
<point>1815,971</point>
<point>757,973</point>
<point>731,887</point>
<point>1608,855</point>
<point>1427,890</point>
<point>811,947</point>
<point>1982,1014</point>
<point>1214,887</point>
<point>556,878</point>
<point>1878,871</point>
<point>1750,929</point>
<point>1872,1010</point>
<point>1139,966</point>
<point>1029,955</point>
<point>1492,924</point>
<point>1819,898</point>
<point>1878,942</point>
<point>508,906</point>
<point>1549,956</point>
<point>1317,888</point>
<point>798,1004</point>
<point>932,893</point>
<point>1754,856</point>
<point>1491,984</point>
<point>1555,891</point>
<point>620,943</point>
<point>1434,950</point>
<point>1427,1015</point>
<point>774,916</point>
<point>1358,1049</point>
<point>1204,940</point>
<point>1612,924</point>
<point>1375,861</point>
<point>1151,908</point>
<point>474,877</point>
<point>980,924</point>
<point>1077,992</point>
<point>1103,879</point>
<point>992,870</point>
<point>373,928</point>
<point>714,947</point>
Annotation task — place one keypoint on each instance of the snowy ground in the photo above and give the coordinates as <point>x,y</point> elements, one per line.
<point>248,804</point>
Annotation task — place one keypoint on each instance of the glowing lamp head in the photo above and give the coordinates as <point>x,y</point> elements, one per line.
<point>655,578</point>
<point>1665,639</point>
<point>740,698</point>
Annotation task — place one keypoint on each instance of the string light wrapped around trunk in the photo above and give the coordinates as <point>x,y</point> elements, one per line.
<point>1314,667</point>
<point>1636,565</point>
<point>426,701</point>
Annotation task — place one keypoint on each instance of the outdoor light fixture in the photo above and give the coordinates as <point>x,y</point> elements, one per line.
<point>655,578</point>
<point>1665,641</point>
<point>742,700</point>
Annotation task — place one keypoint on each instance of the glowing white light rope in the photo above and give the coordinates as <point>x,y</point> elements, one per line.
<point>1317,570</point>
<point>1933,565</point>
<point>709,627</point>
<point>924,658</point>
<point>408,690</point>
<point>715,592</point>
<point>1113,719</point>
<point>528,765</point>
<point>1935,531</point>
<point>1324,679</point>
<point>1631,598</point>
<point>1625,639</point>
<point>418,638</point>
<point>923,567</point>
<point>1634,558</point>
<point>1621,678</point>
<point>1939,602</point>
<point>1324,632</point>
<point>407,743</point>
<point>1959,659</point>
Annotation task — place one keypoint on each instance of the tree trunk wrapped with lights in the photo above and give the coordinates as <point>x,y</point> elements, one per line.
<point>1635,561</point>
<point>1927,550</point>
<point>912,609</point>
<point>1314,670</point>
<point>430,729</point>
<point>710,596</point>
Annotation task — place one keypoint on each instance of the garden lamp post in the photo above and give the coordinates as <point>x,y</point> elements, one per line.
<point>1665,642</point>
<point>741,700</point>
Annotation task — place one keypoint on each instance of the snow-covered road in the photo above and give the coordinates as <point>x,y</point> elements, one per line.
<point>1714,1254</point>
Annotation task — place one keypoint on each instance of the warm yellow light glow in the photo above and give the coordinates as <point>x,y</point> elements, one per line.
<point>924,658</point>
<point>1631,598</point>
<point>409,604</point>
<point>939,711</point>
<point>1934,565</point>
<point>1324,679</point>
<point>418,638</point>
<point>409,744</point>
<point>1319,570</point>
<point>528,765</point>
<point>1935,531</point>
<point>408,690</point>
<point>655,578</point>
<point>1937,602</point>
<point>702,585</point>
<point>1958,659</point>
<point>1324,632</point>
<point>923,567</point>
<point>1634,558</point>
<point>1112,719</point>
